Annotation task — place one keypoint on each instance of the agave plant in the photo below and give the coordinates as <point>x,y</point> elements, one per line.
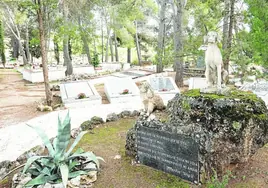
<point>61,164</point>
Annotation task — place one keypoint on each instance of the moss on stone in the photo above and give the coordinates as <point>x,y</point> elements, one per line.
<point>234,94</point>
<point>186,105</point>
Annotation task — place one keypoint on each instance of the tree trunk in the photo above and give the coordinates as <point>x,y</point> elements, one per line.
<point>111,48</point>
<point>115,48</point>
<point>178,44</point>
<point>43,54</point>
<point>137,44</point>
<point>225,24</point>
<point>230,36</point>
<point>102,42</point>
<point>107,45</point>
<point>28,54</point>
<point>66,56</point>
<point>2,43</point>
<point>70,48</point>
<point>66,52</point>
<point>15,47</point>
<point>56,51</point>
<point>84,40</point>
<point>161,37</point>
<point>129,55</point>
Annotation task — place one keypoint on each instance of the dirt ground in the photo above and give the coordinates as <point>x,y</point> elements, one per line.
<point>18,98</point>
<point>18,101</point>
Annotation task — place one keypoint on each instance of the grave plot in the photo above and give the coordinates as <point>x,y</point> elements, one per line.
<point>197,83</point>
<point>122,90</point>
<point>165,87</point>
<point>79,94</point>
<point>54,73</point>
<point>259,88</point>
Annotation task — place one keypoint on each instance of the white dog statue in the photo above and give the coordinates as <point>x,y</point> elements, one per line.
<point>213,59</point>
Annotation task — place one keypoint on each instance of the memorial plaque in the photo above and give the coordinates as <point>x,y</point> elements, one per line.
<point>172,153</point>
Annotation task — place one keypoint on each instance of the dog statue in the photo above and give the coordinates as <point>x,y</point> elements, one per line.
<point>214,63</point>
<point>150,100</point>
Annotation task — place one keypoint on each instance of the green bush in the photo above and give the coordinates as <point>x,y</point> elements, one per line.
<point>95,60</point>
<point>60,165</point>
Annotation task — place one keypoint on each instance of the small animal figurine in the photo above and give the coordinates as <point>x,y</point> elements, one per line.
<point>150,100</point>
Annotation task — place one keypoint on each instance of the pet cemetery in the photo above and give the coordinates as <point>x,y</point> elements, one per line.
<point>152,94</point>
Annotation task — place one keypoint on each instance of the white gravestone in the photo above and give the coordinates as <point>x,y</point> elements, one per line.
<point>114,89</point>
<point>70,92</point>
<point>197,83</point>
<point>165,87</point>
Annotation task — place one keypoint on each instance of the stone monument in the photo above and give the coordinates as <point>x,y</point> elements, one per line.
<point>204,132</point>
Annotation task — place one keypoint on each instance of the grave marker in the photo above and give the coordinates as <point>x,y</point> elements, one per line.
<point>197,83</point>
<point>172,153</point>
<point>70,91</point>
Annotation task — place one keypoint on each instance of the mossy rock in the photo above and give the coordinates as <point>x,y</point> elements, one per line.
<point>91,124</point>
<point>231,128</point>
<point>87,125</point>
<point>96,120</point>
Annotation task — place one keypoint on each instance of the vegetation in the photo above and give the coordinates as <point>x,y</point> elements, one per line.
<point>60,164</point>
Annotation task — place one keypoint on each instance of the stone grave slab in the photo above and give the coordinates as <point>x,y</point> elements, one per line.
<point>54,73</point>
<point>132,74</point>
<point>172,153</point>
<point>165,87</point>
<point>197,83</point>
<point>70,91</point>
<point>114,89</point>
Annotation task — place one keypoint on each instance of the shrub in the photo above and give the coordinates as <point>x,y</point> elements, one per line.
<point>95,60</point>
<point>60,164</point>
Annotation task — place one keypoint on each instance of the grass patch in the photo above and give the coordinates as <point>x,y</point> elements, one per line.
<point>109,140</point>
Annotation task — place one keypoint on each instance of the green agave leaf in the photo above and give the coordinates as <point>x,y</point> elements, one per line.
<point>31,160</point>
<point>37,165</point>
<point>89,155</point>
<point>47,162</point>
<point>78,138</point>
<point>77,173</point>
<point>55,143</point>
<point>39,180</point>
<point>63,137</point>
<point>73,164</point>
<point>45,139</point>
<point>33,171</point>
<point>46,171</point>
<point>64,174</point>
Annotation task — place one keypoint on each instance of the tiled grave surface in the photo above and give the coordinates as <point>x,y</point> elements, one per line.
<point>115,87</point>
<point>70,92</point>
<point>164,86</point>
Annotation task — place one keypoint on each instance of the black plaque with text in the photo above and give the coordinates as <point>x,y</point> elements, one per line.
<point>172,153</point>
